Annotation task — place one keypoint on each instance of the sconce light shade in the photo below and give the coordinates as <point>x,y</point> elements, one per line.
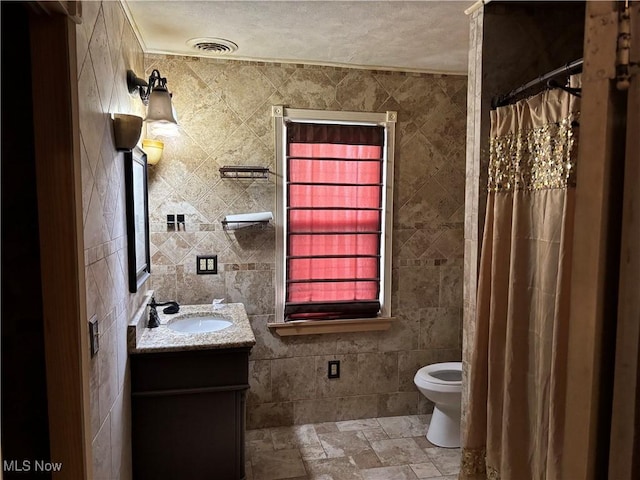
<point>155,95</point>
<point>159,109</point>
<point>126,130</point>
<point>153,149</point>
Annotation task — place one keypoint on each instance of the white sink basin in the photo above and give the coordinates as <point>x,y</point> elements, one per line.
<point>203,324</point>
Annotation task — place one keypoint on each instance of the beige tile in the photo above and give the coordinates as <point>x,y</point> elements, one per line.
<point>400,451</point>
<point>440,328</point>
<point>423,442</point>
<point>364,424</point>
<point>403,472</point>
<point>312,452</point>
<point>102,456</point>
<point>293,378</point>
<point>333,469</point>
<point>367,459</point>
<point>277,465</point>
<point>374,434</point>
<point>446,460</point>
<point>259,381</point>
<point>378,372</point>
<point>285,438</point>
<point>403,426</point>
<point>314,411</point>
<point>363,406</point>
<point>401,403</point>
<point>343,444</point>
<point>258,434</point>
<point>270,415</point>
<point>326,427</point>
<point>347,384</point>
<point>425,470</point>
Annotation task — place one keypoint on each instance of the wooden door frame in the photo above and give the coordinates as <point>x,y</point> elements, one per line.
<point>596,252</point>
<point>59,187</point>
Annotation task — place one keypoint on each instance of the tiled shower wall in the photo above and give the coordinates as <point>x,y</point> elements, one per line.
<point>224,112</point>
<point>107,47</point>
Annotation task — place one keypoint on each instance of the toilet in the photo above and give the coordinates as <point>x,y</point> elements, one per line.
<point>442,384</point>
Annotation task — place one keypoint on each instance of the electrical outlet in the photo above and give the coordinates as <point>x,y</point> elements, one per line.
<point>206,264</point>
<point>94,335</point>
<point>334,369</point>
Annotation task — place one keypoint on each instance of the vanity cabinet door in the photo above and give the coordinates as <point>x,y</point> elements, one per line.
<point>186,422</point>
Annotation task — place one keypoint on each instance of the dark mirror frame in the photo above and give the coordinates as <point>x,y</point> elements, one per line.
<point>137,200</point>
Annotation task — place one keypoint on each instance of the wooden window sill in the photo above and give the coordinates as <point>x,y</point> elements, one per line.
<point>313,327</point>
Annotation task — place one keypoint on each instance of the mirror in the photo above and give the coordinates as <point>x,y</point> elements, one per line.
<point>135,178</point>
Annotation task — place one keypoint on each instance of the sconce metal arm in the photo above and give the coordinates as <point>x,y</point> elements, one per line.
<point>145,88</point>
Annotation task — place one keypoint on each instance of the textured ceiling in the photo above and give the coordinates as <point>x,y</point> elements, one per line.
<point>428,36</point>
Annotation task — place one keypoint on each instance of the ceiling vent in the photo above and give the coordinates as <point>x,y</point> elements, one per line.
<point>212,46</point>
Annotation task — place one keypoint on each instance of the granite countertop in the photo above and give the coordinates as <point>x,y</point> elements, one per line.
<point>162,339</point>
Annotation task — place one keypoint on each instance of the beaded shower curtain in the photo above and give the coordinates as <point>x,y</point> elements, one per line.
<point>517,376</point>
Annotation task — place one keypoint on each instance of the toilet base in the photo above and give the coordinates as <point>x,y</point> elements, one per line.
<point>444,428</point>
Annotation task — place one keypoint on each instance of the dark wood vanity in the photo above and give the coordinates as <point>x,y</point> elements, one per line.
<point>188,398</point>
<point>188,414</point>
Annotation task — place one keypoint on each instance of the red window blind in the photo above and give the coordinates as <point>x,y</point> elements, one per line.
<point>334,220</point>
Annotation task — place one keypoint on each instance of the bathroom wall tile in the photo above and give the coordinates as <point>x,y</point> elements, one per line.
<point>108,371</point>
<point>404,332</point>
<point>293,378</point>
<point>361,406</point>
<point>451,286</point>
<point>120,436</point>
<point>243,88</point>
<point>294,437</point>
<point>357,342</point>
<point>194,289</point>
<point>440,328</point>
<point>315,411</point>
<point>400,403</point>
<point>94,396</point>
<point>259,382</point>
<point>418,286</point>
<point>101,446</point>
<point>268,343</point>
<point>359,91</point>
<point>378,372</point>
<point>254,289</point>
<point>347,384</point>
<point>312,345</point>
<point>429,158</point>
<point>270,415</point>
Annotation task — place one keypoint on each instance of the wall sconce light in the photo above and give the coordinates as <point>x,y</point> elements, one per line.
<point>126,130</point>
<point>153,149</point>
<point>155,95</point>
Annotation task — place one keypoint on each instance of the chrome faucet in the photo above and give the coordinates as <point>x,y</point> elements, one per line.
<point>154,321</point>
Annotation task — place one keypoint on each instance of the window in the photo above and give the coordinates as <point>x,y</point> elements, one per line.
<point>333,214</point>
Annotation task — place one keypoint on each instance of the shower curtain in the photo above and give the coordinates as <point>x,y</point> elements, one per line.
<point>517,375</point>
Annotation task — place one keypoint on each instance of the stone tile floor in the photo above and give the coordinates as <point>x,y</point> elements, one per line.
<point>389,448</point>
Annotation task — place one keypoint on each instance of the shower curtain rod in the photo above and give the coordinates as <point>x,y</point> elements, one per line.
<point>502,100</point>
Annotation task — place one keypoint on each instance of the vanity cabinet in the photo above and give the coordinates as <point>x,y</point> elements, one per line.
<point>188,414</point>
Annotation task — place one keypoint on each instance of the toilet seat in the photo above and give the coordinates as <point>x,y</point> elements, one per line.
<point>447,373</point>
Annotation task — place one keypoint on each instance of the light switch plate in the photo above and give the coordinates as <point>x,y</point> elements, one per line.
<point>94,337</point>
